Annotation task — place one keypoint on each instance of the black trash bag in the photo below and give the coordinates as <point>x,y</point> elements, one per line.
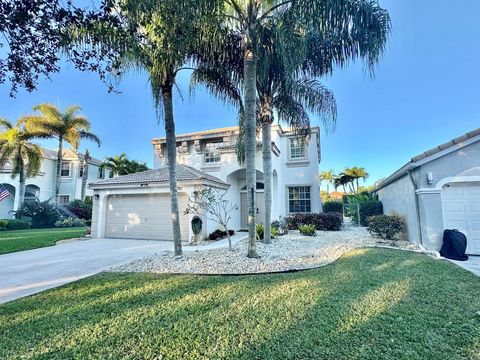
<point>454,245</point>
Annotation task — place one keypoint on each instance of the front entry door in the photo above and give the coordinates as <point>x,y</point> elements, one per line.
<point>244,209</point>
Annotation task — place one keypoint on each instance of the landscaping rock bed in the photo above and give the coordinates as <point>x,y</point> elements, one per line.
<point>288,252</point>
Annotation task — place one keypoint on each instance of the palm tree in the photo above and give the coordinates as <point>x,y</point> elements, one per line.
<point>328,176</point>
<point>171,32</point>
<point>116,164</point>
<point>86,159</point>
<point>366,24</point>
<point>134,166</point>
<point>121,165</point>
<point>16,148</point>
<point>68,127</point>
<point>356,173</point>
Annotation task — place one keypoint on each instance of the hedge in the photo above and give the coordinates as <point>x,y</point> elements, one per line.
<point>322,221</point>
<point>333,207</point>
<point>367,209</point>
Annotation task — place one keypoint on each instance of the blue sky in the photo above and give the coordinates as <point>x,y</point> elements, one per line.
<point>425,92</point>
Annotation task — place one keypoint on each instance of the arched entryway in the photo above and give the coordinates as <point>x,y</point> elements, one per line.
<point>8,202</point>
<point>238,195</point>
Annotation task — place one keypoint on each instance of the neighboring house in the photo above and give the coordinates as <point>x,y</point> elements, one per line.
<point>138,206</point>
<point>42,186</point>
<point>438,190</point>
<point>337,195</point>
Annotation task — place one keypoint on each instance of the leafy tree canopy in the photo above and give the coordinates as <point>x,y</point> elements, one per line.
<point>34,34</point>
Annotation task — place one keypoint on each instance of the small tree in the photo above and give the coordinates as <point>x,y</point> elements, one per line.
<point>212,203</point>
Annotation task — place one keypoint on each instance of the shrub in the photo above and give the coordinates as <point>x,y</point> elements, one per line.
<point>42,214</point>
<point>219,234</point>
<point>367,209</point>
<point>81,209</point>
<point>322,222</point>
<point>70,222</point>
<point>260,230</point>
<point>17,224</point>
<point>307,229</point>
<point>274,231</point>
<point>3,224</point>
<point>333,207</point>
<point>385,227</point>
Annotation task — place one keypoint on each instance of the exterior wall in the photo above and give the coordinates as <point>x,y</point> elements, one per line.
<point>460,165</point>
<point>286,172</point>
<point>398,198</point>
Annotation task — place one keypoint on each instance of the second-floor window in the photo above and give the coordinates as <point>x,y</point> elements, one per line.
<point>297,148</point>
<point>212,155</point>
<point>65,170</point>
<point>101,173</point>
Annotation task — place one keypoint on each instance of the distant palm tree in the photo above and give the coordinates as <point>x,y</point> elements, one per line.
<point>66,127</point>
<point>356,173</point>
<point>116,164</point>
<point>16,148</point>
<point>134,166</point>
<point>121,165</point>
<point>328,176</point>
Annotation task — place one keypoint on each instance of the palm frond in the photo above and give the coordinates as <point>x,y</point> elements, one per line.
<point>5,124</point>
<point>90,136</point>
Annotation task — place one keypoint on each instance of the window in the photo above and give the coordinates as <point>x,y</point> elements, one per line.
<point>299,199</point>
<point>64,200</point>
<point>297,148</point>
<point>100,173</point>
<point>65,171</point>
<point>211,153</point>
<point>80,171</point>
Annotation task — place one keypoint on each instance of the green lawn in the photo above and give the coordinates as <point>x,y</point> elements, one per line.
<point>19,240</point>
<point>370,304</point>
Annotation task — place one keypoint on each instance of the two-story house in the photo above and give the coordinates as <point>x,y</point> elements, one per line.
<point>42,186</point>
<point>138,205</point>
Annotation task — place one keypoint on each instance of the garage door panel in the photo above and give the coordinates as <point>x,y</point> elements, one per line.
<point>461,210</point>
<point>455,207</point>
<point>143,217</point>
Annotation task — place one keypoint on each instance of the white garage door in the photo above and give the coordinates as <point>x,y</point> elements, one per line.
<point>461,210</point>
<point>143,217</point>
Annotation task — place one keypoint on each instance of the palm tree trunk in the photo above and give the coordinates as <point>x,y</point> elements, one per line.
<point>267,177</point>
<point>328,188</point>
<point>85,175</point>
<point>250,90</point>
<point>21,186</point>
<point>171,143</point>
<point>58,179</point>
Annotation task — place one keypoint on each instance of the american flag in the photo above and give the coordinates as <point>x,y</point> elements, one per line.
<point>4,193</point>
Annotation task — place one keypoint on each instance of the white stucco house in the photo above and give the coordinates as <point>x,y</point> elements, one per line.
<point>138,205</point>
<point>41,187</point>
<point>437,190</point>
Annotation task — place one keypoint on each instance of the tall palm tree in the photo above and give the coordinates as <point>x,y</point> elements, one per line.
<point>116,164</point>
<point>171,32</point>
<point>328,176</point>
<point>363,20</point>
<point>67,126</point>
<point>16,148</point>
<point>287,59</point>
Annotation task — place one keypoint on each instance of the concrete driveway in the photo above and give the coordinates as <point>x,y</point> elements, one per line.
<point>28,272</point>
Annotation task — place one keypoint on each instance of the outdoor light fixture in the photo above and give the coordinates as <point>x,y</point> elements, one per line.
<point>430,178</point>
<point>144,184</point>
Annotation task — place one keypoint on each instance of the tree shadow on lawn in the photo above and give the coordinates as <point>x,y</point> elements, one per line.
<point>369,304</point>
<point>426,309</point>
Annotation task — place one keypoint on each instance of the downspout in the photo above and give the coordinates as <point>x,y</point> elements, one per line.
<point>417,205</point>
